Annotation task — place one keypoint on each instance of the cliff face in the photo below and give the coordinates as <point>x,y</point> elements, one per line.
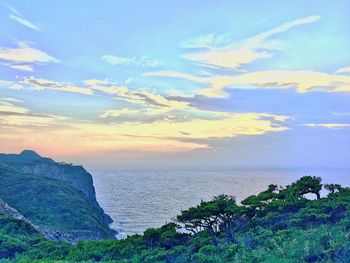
<point>76,176</point>
<point>59,199</point>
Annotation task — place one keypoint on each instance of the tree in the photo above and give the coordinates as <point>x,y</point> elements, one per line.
<point>166,236</point>
<point>305,185</point>
<point>260,200</point>
<point>151,237</point>
<point>309,184</point>
<point>332,188</point>
<point>231,216</point>
<point>212,216</point>
<point>202,217</point>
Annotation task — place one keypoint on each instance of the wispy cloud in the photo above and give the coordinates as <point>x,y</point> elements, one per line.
<point>143,61</point>
<point>160,136</point>
<point>100,87</point>
<point>15,116</point>
<point>42,84</point>
<point>6,106</point>
<point>24,22</point>
<point>328,125</point>
<point>343,70</point>
<point>119,113</point>
<point>22,67</point>
<point>150,123</point>
<point>302,80</point>
<point>220,53</point>
<point>11,99</point>
<point>136,96</point>
<point>18,66</point>
<point>16,16</point>
<point>224,126</point>
<point>25,53</point>
<point>24,56</point>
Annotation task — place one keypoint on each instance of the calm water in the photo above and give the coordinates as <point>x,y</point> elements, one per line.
<point>138,199</point>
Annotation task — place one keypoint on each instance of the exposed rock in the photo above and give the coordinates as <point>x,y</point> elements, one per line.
<point>71,237</point>
<point>7,210</point>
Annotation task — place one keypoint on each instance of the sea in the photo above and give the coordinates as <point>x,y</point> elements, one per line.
<point>138,199</point>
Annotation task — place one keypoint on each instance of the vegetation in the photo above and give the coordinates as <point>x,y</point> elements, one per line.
<point>17,236</point>
<point>49,203</point>
<point>281,224</point>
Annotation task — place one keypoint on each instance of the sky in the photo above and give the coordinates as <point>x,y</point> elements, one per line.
<point>177,83</point>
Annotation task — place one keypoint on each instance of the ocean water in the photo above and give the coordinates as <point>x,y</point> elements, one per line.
<point>137,199</point>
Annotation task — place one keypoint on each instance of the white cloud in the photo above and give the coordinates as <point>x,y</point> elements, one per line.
<point>22,67</point>
<point>153,123</point>
<point>24,22</point>
<point>6,106</point>
<point>328,125</point>
<point>143,61</point>
<point>136,96</point>
<point>13,116</point>
<point>95,82</point>
<point>225,125</point>
<point>236,54</point>
<point>301,80</point>
<point>118,113</point>
<point>24,56</point>
<point>115,60</point>
<point>11,99</point>
<point>10,84</point>
<point>104,87</point>
<point>42,84</point>
<point>343,70</point>
<point>16,16</point>
<point>24,53</point>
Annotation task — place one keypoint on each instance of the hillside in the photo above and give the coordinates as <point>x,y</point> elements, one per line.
<point>59,199</point>
<point>281,224</point>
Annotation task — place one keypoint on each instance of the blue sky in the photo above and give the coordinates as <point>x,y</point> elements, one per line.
<point>235,83</point>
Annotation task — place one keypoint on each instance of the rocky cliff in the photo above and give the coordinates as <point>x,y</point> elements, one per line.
<point>57,198</point>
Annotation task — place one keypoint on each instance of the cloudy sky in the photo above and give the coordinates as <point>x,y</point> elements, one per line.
<point>177,83</point>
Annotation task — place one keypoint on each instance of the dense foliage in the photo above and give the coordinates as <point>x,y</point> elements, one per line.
<point>281,224</point>
<point>17,236</point>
